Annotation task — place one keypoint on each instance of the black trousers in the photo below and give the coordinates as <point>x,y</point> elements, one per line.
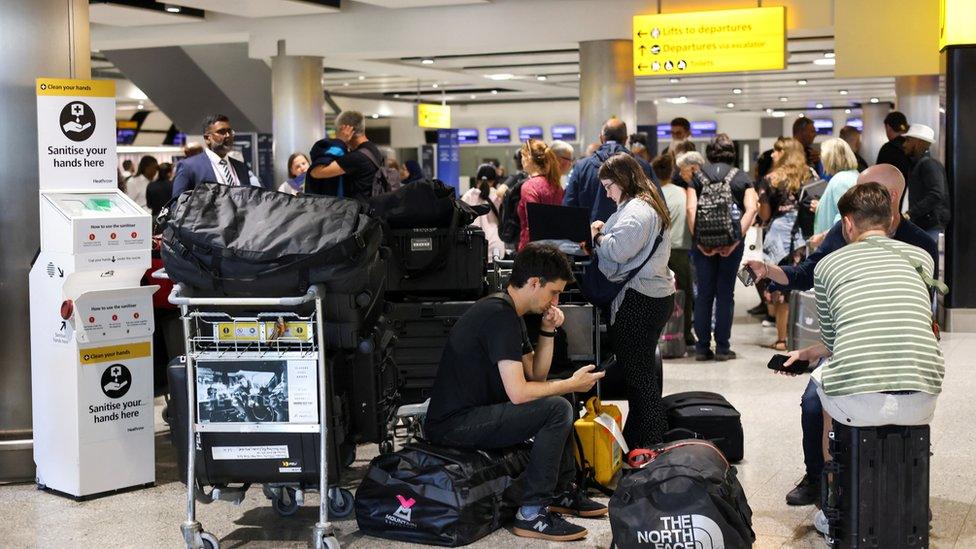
<point>636,329</point>
<point>549,420</point>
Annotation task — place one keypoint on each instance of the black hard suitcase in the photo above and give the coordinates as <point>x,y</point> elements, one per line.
<point>878,487</point>
<point>708,416</point>
<point>422,330</point>
<point>439,496</point>
<point>804,324</point>
<point>351,314</point>
<point>443,263</point>
<point>371,375</point>
<point>302,448</point>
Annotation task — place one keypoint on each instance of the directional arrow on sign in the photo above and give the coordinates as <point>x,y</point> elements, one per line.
<point>641,34</point>
<point>64,325</point>
<point>60,272</point>
<point>642,67</point>
<point>642,50</point>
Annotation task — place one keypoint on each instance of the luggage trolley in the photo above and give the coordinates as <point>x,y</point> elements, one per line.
<point>219,338</point>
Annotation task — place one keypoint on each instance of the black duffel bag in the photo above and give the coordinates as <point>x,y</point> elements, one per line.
<point>424,204</point>
<point>438,496</point>
<point>685,492</point>
<point>246,241</point>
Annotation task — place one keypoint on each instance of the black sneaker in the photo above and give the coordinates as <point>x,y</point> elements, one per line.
<point>574,502</point>
<point>722,356</point>
<point>759,310</point>
<point>703,356</point>
<point>548,526</point>
<point>807,492</point>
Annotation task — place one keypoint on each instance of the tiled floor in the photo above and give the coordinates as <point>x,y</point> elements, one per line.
<point>770,415</point>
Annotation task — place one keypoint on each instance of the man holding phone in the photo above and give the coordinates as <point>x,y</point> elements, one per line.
<point>492,391</point>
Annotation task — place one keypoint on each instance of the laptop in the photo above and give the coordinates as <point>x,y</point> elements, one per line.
<point>559,223</point>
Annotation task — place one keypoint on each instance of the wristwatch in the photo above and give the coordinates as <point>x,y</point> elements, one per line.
<point>596,238</point>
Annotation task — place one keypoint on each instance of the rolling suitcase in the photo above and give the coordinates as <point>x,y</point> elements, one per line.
<point>352,310</point>
<point>708,416</point>
<point>371,375</point>
<point>804,324</point>
<point>878,487</point>
<point>437,262</point>
<point>672,342</point>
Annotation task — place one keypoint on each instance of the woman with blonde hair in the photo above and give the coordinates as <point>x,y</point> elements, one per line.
<point>840,165</point>
<point>634,247</point>
<point>542,186</point>
<point>783,245</point>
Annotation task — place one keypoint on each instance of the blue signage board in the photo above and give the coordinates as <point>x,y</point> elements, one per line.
<point>468,136</point>
<point>664,131</point>
<point>498,135</point>
<point>530,132</point>
<point>566,132</point>
<point>704,128</point>
<point>449,158</point>
<point>825,126</point>
<point>856,123</point>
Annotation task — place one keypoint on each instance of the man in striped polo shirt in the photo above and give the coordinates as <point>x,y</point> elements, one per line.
<point>884,364</point>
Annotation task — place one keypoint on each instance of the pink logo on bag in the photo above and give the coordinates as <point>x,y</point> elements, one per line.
<point>404,511</point>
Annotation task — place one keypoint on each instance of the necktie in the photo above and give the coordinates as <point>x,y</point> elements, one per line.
<point>228,177</point>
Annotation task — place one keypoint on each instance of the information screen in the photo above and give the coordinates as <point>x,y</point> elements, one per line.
<point>856,123</point>
<point>498,135</point>
<point>468,136</point>
<point>530,132</point>
<point>704,128</point>
<point>825,126</point>
<point>566,132</point>
<point>664,131</point>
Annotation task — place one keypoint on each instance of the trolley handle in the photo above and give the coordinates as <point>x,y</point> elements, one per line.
<point>176,298</point>
<point>160,274</point>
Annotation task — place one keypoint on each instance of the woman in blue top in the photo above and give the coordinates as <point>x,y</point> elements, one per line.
<point>840,165</point>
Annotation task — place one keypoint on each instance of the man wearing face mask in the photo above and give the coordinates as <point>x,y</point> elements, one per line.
<point>214,166</point>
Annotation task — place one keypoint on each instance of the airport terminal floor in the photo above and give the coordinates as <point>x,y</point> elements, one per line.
<point>773,464</point>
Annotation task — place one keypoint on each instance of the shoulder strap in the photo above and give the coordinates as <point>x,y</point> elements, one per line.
<point>369,154</point>
<point>733,171</point>
<point>930,282</point>
<point>657,242</point>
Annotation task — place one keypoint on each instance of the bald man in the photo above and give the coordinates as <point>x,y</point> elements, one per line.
<point>800,277</point>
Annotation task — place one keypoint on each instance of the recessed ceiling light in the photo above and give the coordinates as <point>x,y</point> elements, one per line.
<point>494,92</point>
<point>361,77</point>
<point>172,9</point>
<point>784,99</point>
<point>680,100</point>
<point>427,61</point>
<point>801,115</point>
<point>434,85</point>
<point>829,55</point>
<point>655,102</point>
<point>141,106</point>
<point>874,99</point>
<point>778,114</point>
<point>730,105</point>
<point>827,61</point>
<point>541,77</point>
<point>345,83</point>
<point>473,96</point>
<point>737,91</point>
<point>847,111</point>
<point>942,110</point>
<point>842,92</point>
<point>500,76</point>
<point>769,111</point>
<point>375,115</point>
<point>674,80</point>
<point>801,82</point>
<point>819,105</point>
<point>396,96</point>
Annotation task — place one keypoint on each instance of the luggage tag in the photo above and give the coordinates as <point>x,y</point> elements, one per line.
<point>606,421</point>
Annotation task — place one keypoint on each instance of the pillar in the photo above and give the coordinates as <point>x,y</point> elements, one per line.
<point>28,54</point>
<point>873,134</point>
<point>960,138</point>
<point>918,99</point>
<point>647,116</point>
<point>297,100</point>
<point>607,87</point>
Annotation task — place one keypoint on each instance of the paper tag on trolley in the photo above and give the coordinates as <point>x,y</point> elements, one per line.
<point>263,331</point>
<point>257,391</point>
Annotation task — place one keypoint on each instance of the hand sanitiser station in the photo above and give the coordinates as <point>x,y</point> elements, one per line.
<point>91,320</point>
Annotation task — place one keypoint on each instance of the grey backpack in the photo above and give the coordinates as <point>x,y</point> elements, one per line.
<point>716,219</point>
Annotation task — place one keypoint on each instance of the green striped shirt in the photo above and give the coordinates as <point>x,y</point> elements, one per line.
<point>876,319</point>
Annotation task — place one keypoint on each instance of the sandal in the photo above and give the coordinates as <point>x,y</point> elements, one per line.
<point>778,346</point>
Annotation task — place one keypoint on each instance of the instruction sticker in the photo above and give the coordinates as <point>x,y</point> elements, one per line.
<point>96,355</point>
<point>237,331</point>
<point>249,452</point>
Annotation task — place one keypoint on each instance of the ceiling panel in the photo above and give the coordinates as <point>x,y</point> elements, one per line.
<point>403,4</point>
<point>124,16</point>
<point>258,8</point>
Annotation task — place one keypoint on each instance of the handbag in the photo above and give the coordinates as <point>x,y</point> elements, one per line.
<point>601,291</point>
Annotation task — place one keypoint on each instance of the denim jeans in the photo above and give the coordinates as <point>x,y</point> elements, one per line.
<point>715,278</point>
<point>811,419</point>
<point>548,420</point>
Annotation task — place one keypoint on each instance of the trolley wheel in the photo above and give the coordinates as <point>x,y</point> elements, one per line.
<point>209,540</point>
<point>386,447</point>
<point>341,503</point>
<point>285,509</point>
<point>330,542</point>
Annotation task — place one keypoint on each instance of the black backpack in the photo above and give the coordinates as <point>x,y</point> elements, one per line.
<point>509,226</point>
<point>685,491</point>
<point>716,222</point>
<point>380,182</point>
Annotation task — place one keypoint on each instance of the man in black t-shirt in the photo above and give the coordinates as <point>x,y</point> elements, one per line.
<point>492,391</point>
<point>358,166</point>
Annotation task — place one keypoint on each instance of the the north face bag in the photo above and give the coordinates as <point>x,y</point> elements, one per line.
<point>716,225</point>
<point>438,496</point>
<point>247,241</point>
<point>685,495</point>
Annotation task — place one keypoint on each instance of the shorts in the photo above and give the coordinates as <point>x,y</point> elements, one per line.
<point>876,409</point>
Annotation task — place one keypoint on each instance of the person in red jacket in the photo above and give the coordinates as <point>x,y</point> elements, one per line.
<point>542,186</point>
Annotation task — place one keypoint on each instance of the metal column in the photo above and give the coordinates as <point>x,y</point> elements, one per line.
<point>297,99</point>
<point>873,132</point>
<point>607,87</point>
<point>63,49</point>
<point>918,100</point>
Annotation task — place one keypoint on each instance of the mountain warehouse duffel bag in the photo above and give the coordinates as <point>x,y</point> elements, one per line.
<point>246,241</point>
<point>438,496</point>
<point>686,495</point>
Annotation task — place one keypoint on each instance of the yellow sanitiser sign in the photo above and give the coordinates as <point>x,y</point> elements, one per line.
<point>956,23</point>
<point>433,116</point>
<point>672,44</point>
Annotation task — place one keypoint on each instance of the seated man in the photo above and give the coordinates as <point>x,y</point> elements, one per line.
<point>883,363</point>
<point>492,391</point>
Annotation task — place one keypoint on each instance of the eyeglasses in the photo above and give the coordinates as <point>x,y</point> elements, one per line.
<point>607,185</point>
<point>567,159</point>
<point>223,131</point>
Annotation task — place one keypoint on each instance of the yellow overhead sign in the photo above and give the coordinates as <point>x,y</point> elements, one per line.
<point>956,18</point>
<point>433,116</point>
<point>752,39</point>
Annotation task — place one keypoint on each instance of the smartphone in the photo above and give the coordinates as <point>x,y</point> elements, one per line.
<point>778,361</point>
<point>746,275</point>
<point>610,362</point>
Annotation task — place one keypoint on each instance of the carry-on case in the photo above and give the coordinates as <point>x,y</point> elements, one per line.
<point>708,416</point>
<point>437,495</point>
<point>804,324</point>
<point>877,487</point>
<point>672,341</point>
<point>370,373</point>
<point>446,263</point>
<point>353,308</point>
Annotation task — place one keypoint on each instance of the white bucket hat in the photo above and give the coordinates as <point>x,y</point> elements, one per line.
<point>921,131</point>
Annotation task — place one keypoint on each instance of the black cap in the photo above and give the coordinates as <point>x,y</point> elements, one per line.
<point>896,121</point>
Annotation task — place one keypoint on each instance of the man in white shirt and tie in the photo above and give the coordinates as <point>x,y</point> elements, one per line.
<point>214,166</point>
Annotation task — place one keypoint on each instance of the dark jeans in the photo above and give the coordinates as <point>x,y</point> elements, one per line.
<point>548,420</point>
<point>680,263</point>
<point>811,418</point>
<point>715,276</point>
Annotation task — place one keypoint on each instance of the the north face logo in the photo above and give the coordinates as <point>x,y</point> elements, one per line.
<point>404,511</point>
<point>684,532</point>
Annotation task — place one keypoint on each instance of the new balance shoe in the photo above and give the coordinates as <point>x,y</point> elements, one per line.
<point>548,526</point>
<point>574,502</point>
<point>807,492</point>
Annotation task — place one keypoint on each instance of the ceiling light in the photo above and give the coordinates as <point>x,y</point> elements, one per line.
<point>681,100</point>
<point>500,76</point>
<point>769,111</point>
<point>427,61</point>
<point>494,92</point>
<point>829,61</point>
<point>942,110</point>
<point>172,9</point>
<point>737,91</point>
<point>541,77</point>
<point>375,115</point>
<point>801,82</point>
<point>730,105</point>
<point>473,96</point>
<point>141,106</point>
<point>396,96</point>
<point>842,92</point>
<point>784,99</point>
<point>801,115</point>
<point>829,55</point>
<point>361,77</point>
<point>819,105</point>
<point>655,102</point>
<point>345,83</point>
<point>778,114</point>
<point>675,80</point>
<point>434,85</point>
<point>847,111</point>
<point>874,99</point>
